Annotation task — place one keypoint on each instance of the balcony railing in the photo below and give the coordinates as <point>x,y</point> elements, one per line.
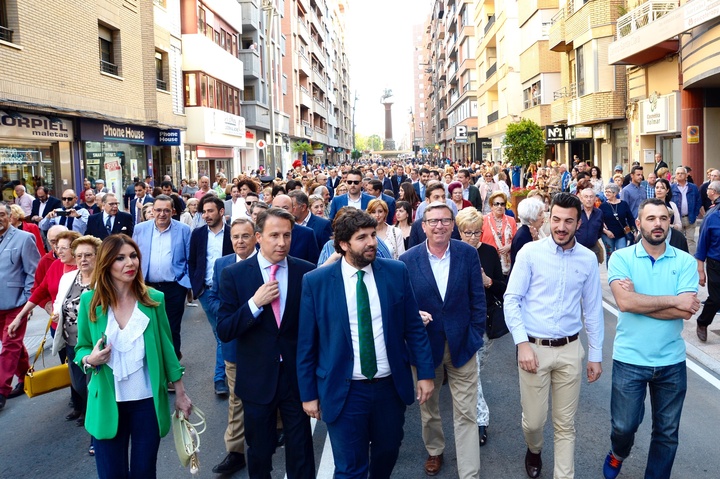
<point>491,70</point>
<point>108,67</point>
<point>561,93</point>
<point>161,84</point>
<point>492,117</point>
<point>559,16</point>
<point>490,23</point>
<point>642,16</point>
<point>6,34</point>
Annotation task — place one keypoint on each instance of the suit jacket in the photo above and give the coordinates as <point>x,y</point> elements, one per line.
<point>417,185</point>
<point>180,248</point>
<point>33,229</point>
<point>303,244</point>
<point>133,205</point>
<point>51,204</point>
<point>101,417</point>
<point>213,300</point>
<point>342,201</point>
<point>197,261</point>
<point>391,208</point>
<point>387,184</point>
<point>123,224</point>
<point>474,197</point>
<point>460,318</point>
<point>322,229</point>
<point>332,184</point>
<point>396,180</point>
<point>19,258</point>
<point>325,353</point>
<point>260,343</point>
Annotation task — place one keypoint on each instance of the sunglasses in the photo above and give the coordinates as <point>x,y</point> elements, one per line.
<point>498,204</point>
<point>353,182</point>
<point>67,199</point>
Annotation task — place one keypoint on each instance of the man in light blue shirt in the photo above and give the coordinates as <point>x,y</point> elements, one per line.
<point>655,288</point>
<point>554,283</point>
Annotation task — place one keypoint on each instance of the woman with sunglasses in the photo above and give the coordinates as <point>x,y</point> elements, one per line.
<point>487,189</point>
<point>499,229</point>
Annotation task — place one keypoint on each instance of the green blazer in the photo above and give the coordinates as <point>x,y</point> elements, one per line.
<point>101,417</point>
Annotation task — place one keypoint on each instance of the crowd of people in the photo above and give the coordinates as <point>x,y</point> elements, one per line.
<point>346,293</point>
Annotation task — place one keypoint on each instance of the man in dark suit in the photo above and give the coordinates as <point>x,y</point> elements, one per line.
<point>332,182</point>
<point>362,400</point>
<point>304,245</point>
<point>384,180</point>
<point>470,191</point>
<point>397,179</point>
<point>110,221</point>
<point>207,244</point>
<point>141,198</point>
<point>445,277</point>
<point>303,217</point>
<point>422,182</point>
<point>355,196</point>
<point>374,188</point>
<point>259,306</point>
<point>43,204</point>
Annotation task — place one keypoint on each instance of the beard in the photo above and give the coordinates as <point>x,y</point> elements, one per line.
<point>363,258</point>
<point>648,236</point>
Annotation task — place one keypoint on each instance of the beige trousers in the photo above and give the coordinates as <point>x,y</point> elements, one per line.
<point>235,432</point>
<point>560,371</point>
<point>463,388</point>
<point>689,231</point>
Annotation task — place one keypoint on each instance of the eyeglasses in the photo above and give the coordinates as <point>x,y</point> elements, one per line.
<point>84,255</point>
<point>68,199</point>
<point>353,182</point>
<point>112,204</point>
<point>497,203</point>
<point>159,211</point>
<point>63,248</point>
<point>472,233</point>
<point>435,221</point>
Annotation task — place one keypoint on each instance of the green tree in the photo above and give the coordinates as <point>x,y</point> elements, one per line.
<point>524,143</point>
<point>301,147</point>
<point>360,142</point>
<point>356,154</point>
<point>375,143</point>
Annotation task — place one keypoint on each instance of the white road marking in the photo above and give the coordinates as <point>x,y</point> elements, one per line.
<point>327,462</point>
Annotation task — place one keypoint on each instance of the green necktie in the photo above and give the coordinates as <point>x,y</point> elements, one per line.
<point>368,363</point>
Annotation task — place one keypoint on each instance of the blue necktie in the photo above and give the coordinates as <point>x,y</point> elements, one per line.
<point>108,224</point>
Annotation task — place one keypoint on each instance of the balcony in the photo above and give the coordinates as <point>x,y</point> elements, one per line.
<point>637,44</point>
<point>256,115</point>
<point>250,15</point>
<point>490,71</point>
<point>489,24</point>
<point>320,108</point>
<point>589,20</point>
<point>202,54</point>
<point>251,63</point>
<point>305,98</point>
<point>492,117</point>
<point>303,31</point>
<point>558,108</point>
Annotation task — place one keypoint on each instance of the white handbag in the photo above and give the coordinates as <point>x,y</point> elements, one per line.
<point>187,438</point>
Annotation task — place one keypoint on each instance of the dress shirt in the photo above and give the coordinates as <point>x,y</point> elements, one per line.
<point>214,251</point>
<point>549,291</point>
<point>79,224</point>
<point>466,193</point>
<point>25,202</point>
<point>281,275</point>
<point>160,269</point>
<point>440,268</point>
<point>590,229</point>
<point>708,244</point>
<point>350,279</point>
<point>633,195</point>
<point>41,208</point>
<point>684,203</point>
<point>112,220</point>
<point>239,209</point>
<point>355,204</point>
<point>306,220</point>
<point>238,258</point>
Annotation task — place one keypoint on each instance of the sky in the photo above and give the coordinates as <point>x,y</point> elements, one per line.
<point>380,48</point>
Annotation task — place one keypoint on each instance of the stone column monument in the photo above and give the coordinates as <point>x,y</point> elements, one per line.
<point>388,143</point>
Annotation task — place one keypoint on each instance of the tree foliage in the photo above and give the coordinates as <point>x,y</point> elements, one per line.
<point>356,154</point>
<point>302,147</point>
<point>524,143</point>
<point>366,143</point>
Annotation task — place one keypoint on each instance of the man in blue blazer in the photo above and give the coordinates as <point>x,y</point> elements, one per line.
<point>19,257</point>
<point>208,243</point>
<point>110,221</point>
<point>445,276</point>
<point>355,196</point>
<point>375,189</point>
<point>143,198</point>
<point>259,306</point>
<point>361,398</point>
<point>421,184</point>
<point>43,204</point>
<point>301,211</point>
<point>304,244</point>
<point>397,179</point>
<point>332,182</point>
<point>165,247</point>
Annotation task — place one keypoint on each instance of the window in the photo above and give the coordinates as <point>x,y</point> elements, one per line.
<point>212,93</point>
<point>532,95</point>
<point>5,32</point>
<point>107,51</point>
<point>160,82</point>
<point>580,70</point>
<point>190,90</point>
<point>249,93</point>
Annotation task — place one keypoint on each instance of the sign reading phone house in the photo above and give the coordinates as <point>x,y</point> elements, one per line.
<point>104,131</point>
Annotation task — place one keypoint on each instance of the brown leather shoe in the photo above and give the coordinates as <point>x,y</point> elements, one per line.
<point>702,333</point>
<point>533,464</point>
<point>433,465</point>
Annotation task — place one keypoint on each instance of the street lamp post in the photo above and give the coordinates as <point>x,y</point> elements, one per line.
<point>270,11</point>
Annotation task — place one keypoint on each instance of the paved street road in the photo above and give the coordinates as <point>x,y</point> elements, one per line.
<point>35,440</point>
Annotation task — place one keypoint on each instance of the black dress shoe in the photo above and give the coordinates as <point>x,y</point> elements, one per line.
<point>701,333</point>
<point>280,438</point>
<point>482,433</point>
<point>233,462</point>
<point>18,390</point>
<point>221,388</point>
<point>73,416</point>
<point>533,464</point>
<point>80,422</point>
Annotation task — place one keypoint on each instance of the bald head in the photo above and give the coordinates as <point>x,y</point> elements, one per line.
<point>282,201</point>
<point>68,198</point>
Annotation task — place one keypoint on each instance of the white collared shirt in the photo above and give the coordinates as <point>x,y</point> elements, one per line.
<point>440,268</point>
<point>282,278</point>
<point>350,278</point>
<point>161,256</point>
<point>355,204</point>
<point>306,220</point>
<point>112,220</point>
<point>238,258</point>
<point>214,251</point>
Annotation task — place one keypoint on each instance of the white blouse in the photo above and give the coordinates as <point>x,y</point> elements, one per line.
<point>127,358</point>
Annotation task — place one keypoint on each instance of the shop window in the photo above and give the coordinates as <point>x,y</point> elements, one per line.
<point>160,71</point>
<point>6,34</point>
<point>107,39</point>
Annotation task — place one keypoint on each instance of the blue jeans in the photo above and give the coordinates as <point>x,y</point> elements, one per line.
<point>212,319</point>
<point>137,422</point>
<point>613,244</point>
<point>668,385</point>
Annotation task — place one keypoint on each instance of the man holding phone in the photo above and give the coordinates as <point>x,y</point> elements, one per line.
<point>71,215</point>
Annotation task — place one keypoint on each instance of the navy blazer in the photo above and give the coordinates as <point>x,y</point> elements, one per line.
<point>197,261</point>
<point>332,184</point>
<point>387,184</point>
<point>260,343</point>
<point>325,353</point>
<point>342,201</point>
<point>123,224</point>
<point>213,299</point>
<point>146,199</point>
<point>390,201</point>
<point>396,180</point>
<point>322,229</point>
<point>51,204</point>
<point>303,244</point>
<point>461,317</point>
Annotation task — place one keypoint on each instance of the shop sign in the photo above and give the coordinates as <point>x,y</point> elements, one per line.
<point>20,125</point>
<point>582,132</point>
<point>169,137</point>
<point>693,134</point>
<point>655,118</point>
<point>555,133</point>
<point>13,156</point>
<point>229,124</point>
<point>105,131</point>
<point>461,135</point>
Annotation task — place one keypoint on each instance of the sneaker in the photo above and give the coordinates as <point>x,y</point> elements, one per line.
<point>612,466</point>
<point>192,305</point>
<point>221,388</point>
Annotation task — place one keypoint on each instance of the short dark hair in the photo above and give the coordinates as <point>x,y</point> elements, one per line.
<point>253,194</point>
<point>424,171</point>
<point>41,187</point>
<point>274,212</point>
<point>141,184</point>
<point>247,182</point>
<point>567,200</point>
<point>433,187</point>
<point>635,168</point>
<point>292,184</point>
<point>376,185</point>
<point>350,223</point>
<point>650,201</point>
<point>164,198</point>
<point>300,197</point>
<point>166,184</point>
<point>355,171</point>
<point>220,204</point>
<point>278,189</point>
<point>464,171</point>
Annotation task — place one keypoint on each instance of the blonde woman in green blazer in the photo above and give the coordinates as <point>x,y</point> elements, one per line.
<point>124,340</point>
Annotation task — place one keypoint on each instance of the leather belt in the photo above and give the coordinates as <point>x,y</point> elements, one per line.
<point>555,342</point>
<point>374,380</point>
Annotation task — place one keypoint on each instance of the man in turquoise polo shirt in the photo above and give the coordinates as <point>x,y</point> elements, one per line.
<point>655,288</point>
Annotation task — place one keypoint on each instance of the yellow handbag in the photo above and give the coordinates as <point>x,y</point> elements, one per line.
<point>48,379</point>
<point>187,438</point>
